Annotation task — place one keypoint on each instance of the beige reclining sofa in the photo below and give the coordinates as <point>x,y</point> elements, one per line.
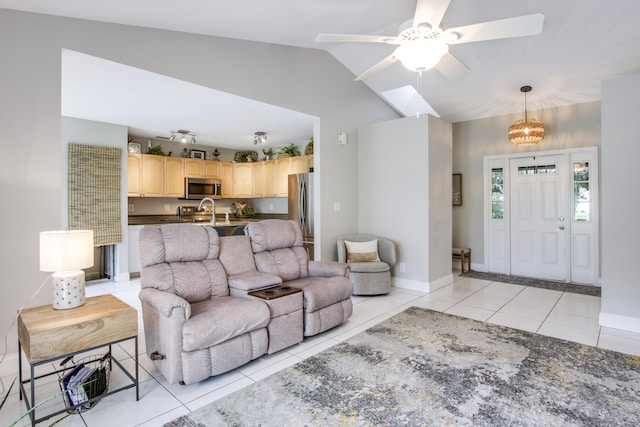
<point>203,309</point>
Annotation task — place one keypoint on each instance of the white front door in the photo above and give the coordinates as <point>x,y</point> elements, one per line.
<point>539,224</point>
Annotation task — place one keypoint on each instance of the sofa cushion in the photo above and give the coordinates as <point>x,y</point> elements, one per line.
<point>321,292</point>
<point>253,280</point>
<point>288,263</point>
<point>236,255</point>
<point>362,251</point>
<point>219,319</point>
<point>273,234</point>
<point>369,267</point>
<point>177,242</point>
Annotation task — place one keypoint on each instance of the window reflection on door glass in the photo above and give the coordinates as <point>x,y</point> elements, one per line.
<point>581,193</point>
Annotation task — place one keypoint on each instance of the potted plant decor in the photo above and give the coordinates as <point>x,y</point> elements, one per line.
<point>290,150</point>
<point>268,153</point>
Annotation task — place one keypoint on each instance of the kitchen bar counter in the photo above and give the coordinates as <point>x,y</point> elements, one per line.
<point>168,219</point>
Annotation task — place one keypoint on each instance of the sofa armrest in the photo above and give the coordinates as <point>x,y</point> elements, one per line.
<point>253,280</point>
<point>328,269</point>
<point>164,302</point>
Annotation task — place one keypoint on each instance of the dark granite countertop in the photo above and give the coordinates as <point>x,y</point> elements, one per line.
<point>168,219</point>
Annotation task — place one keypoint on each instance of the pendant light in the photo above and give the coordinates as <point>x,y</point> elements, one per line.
<point>527,131</point>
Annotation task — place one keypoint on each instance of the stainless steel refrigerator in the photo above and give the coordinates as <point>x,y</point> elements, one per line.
<point>301,206</point>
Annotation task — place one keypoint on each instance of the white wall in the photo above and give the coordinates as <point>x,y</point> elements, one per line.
<point>620,203</point>
<point>88,132</point>
<point>289,77</point>
<point>404,171</point>
<point>565,127</point>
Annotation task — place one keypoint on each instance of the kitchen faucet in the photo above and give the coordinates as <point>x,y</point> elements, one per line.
<point>213,208</point>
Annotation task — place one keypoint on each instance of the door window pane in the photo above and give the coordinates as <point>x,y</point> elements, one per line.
<point>497,193</point>
<point>581,193</point>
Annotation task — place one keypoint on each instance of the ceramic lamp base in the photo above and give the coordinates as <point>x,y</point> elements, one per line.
<point>68,289</point>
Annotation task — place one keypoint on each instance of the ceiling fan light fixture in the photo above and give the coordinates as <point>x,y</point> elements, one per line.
<point>527,131</point>
<point>421,54</point>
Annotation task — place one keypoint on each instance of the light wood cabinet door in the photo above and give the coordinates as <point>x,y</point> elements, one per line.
<point>134,175</point>
<point>211,168</point>
<point>281,176</point>
<point>259,179</point>
<point>152,175</point>
<point>174,177</point>
<point>242,181</point>
<point>193,168</point>
<point>299,164</point>
<point>226,173</point>
<point>270,178</point>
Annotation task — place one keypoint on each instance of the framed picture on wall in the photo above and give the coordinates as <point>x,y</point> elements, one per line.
<point>197,154</point>
<point>456,195</point>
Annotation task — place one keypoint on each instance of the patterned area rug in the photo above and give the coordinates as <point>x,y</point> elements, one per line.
<point>536,283</point>
<point>427,368</point>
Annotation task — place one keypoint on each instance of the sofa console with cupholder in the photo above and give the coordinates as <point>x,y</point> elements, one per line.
<point>211,304</point>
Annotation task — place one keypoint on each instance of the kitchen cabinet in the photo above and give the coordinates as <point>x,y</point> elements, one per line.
<point>149,175</point>
<point>259,178</point>
<point>284,167</point>
<point>299,164</point>
<point>211,168</point>
<point>194,168</point>
<point>242,181</point>
<point>269,178</point>
<point>173,177</point>
<point>152,175</point>
<point>134,249</point>
<point>198,168</point>
<point>226,173</point>
<point>134,175</point>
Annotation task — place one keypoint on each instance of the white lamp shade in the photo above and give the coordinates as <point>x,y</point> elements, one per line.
<point>66,250</point>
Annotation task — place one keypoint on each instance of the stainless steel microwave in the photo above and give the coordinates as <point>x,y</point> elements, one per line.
<point>199,188</point>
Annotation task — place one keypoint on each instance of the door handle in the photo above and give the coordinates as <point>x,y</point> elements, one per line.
<point>561,227</point>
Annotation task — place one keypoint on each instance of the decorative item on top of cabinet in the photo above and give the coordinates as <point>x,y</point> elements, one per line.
<point>269,153</point>
<point>289,150</point>
<point>245,156</point>
<point>308,150</point>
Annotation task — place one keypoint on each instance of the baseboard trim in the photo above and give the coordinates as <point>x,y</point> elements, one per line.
<point>616,321</point>
<point>416,285</point>
<point>410,284</point>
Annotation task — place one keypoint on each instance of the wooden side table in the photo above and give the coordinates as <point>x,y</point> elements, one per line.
<point>46,335</point>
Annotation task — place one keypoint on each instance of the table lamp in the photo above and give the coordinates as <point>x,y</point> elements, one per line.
<point>66,253</point>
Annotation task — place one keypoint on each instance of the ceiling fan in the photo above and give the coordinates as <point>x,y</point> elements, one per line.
<point>423,44</point>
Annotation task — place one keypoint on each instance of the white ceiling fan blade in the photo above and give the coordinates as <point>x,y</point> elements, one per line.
<point>452,68</point>
<point>526,25</point>
<point>379,66</point>
<point>430,11</point>
<point>354,38</point>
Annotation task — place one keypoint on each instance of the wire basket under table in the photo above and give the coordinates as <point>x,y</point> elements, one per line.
<point>84,382</point>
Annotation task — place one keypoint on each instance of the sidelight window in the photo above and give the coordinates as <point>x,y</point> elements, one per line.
<point>581,193</point>
<point>497,193</point>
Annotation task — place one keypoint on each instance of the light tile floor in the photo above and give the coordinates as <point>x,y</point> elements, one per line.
<point>562,315</point>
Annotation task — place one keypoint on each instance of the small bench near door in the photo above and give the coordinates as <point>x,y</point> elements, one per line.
<point>462,254</point>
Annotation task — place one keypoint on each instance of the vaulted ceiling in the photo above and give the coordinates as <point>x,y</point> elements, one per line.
<point>581,44</point>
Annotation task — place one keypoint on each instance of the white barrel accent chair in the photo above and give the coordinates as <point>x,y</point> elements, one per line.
<point>371,259</point>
